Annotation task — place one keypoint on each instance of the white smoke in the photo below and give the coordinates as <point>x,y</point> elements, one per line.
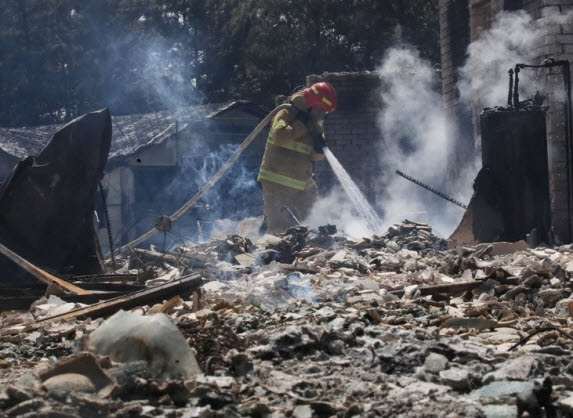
<point>336,209</point>
<point>232,197</point>
<point>164,70</point>
<point>514,37</point>
<point>417,140</point>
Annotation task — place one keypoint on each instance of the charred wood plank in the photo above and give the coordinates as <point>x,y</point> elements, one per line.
<point>298,267</point>
<point>40,274</point>
<point>187,259</point>
<point>94,278</point>
<point>453,287</point>
<point>185,285</point>
<point>112,287</point>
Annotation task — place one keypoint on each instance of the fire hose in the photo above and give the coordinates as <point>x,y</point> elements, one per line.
<point>214,180</point>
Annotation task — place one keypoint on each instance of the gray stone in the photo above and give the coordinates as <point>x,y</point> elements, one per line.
<point>302,411</point>
<point>551,296</point>
<point>411,265</point>
<point>502,388</point>
<point>499,411</point>
<point>500,335</point>
<point>69,382</point>
<point>325,312</point>
<point>516,369</point>
<point>368,284</point>
<point>337,324</point>
<point>393,245</point>
<point>456,378</point>
<point>435,363</point>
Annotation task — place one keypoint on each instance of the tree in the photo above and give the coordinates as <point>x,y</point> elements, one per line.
<point>62,58</point>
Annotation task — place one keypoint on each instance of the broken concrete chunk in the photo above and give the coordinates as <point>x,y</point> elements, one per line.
<point>502,388</point>
<point>302,411</point>
<point>516,369</point>
<point>128,337</point>
<point>455,377</point>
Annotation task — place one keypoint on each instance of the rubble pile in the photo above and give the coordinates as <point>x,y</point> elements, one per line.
<point>311,323</point>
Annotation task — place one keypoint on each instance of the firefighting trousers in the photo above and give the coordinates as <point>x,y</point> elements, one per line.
<point>277,197</point>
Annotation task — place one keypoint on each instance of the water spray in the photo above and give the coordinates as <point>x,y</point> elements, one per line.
<point>359,202</point>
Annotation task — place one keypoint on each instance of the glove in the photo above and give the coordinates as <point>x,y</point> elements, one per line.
<point>319,143</point>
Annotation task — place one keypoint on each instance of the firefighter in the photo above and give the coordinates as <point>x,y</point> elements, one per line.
<point>295,140</point>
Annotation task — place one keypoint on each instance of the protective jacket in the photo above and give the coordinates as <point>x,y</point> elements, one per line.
<point>289,151</point>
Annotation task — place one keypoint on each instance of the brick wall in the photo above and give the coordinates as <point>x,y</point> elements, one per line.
<point>352,131</point>
<point>557,44</point>
<point>454,40</point>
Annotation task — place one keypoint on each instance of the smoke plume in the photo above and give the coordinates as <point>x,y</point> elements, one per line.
<point>515,37</point>
<point>417,138</point>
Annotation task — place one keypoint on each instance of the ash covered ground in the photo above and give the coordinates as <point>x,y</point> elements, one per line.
<point>311,323</point>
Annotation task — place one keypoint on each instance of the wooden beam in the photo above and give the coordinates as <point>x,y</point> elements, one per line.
<point>454,287</point>
<point>186,284</point>
<point>40,274</point>
<point>187,259</point>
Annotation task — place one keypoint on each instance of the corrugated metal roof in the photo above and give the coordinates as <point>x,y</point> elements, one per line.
<point>131,133</point>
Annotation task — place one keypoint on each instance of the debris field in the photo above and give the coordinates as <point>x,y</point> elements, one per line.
<point>305,324</point>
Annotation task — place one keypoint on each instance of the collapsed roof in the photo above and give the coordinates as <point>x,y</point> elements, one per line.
<point>131,133</point>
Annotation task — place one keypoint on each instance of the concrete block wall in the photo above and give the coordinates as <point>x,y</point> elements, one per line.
<point>352,130</point>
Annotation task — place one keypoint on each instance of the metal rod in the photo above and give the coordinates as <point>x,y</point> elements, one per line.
<point>425,186</point>
<point>509,95</point>
<point>516,88</point>
<point>107,224</point>
<point>291,214</point>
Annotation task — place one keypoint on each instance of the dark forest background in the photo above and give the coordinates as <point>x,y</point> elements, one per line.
<point>62,58</point>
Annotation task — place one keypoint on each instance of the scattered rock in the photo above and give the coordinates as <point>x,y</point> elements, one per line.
<point>456,378</point>
<point>435,363</point>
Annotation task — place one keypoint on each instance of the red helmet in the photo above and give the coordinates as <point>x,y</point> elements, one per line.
<point>321,95</point>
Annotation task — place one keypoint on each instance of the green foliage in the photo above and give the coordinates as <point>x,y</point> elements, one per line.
<point>62,58</point>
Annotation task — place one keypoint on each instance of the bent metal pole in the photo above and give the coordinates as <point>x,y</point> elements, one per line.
<point>193,201</point>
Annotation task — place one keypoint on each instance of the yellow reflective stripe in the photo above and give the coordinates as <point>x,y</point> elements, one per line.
<point>314,89</point>
<point>282,180</point>
<point>293,146</point>
<point>328,102</point>
<point>277,125</point>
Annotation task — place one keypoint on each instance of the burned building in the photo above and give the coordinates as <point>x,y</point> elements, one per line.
<point>464,21</point>
<point>157,161</point>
